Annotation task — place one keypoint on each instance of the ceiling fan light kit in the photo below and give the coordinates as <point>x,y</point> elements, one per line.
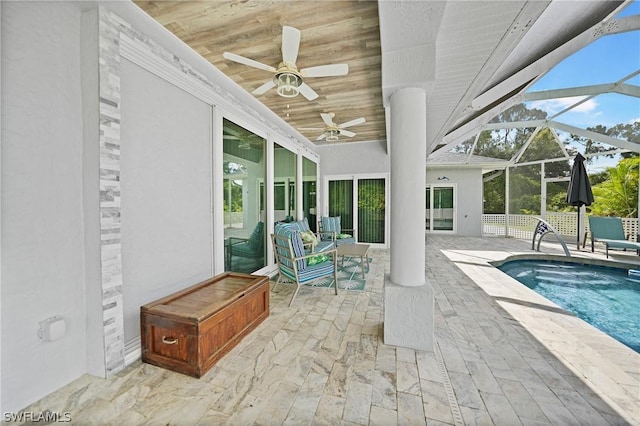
<point>287,80</point>
<point>288,83</point>
<point>332,135</point>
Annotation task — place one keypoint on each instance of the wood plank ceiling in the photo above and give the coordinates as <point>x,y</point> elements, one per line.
<point>332,32</point>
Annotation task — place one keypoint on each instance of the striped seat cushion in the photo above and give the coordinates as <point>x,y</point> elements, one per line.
<point>310,273</point>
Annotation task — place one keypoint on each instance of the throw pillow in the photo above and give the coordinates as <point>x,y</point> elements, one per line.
<point>343,236</point>
<point>308,237</point>
<point>318,258</point>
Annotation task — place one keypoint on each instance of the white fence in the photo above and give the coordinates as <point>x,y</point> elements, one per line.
<point>522,226</point>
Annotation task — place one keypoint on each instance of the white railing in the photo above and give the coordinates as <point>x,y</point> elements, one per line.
<point>522,226</point>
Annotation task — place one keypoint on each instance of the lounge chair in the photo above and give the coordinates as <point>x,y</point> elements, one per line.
<point>609,231</point>
<point>297,265</point>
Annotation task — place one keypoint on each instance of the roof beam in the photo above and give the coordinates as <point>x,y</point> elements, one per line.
<point>548,61</point>
<point>532,73</point>
<point>620,143</point>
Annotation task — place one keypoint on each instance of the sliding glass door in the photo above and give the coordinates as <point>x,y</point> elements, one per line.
<point>244,168</point>
<point>440,208</point>
<point>309,201</point>
<point>361,204</point>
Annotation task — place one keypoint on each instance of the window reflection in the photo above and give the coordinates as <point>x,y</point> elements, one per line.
<point>309,177</point>
<point>284,181</point>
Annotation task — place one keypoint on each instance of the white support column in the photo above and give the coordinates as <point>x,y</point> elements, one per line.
<point>408,309</point>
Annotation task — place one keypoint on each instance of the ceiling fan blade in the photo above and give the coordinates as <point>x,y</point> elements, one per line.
<point>352,123</point>
<point>290,44</point>
<point>264,88</point>
<point>322,136</point>
<point>246,61</point>
<point>307,92</point>
<point>325,70</point>
<point>310,129</point>
<point>347,133</point>
<point>328,120</point>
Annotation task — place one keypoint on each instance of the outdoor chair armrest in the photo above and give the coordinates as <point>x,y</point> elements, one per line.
<point>237,240</point>
<point>331,233</point>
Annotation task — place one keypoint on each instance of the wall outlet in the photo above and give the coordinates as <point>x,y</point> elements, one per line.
<point>52,328</point>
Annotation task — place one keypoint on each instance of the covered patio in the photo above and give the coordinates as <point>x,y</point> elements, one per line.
<point>503,355</point>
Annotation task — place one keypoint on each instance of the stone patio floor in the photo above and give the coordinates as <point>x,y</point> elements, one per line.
<point>503,356</point>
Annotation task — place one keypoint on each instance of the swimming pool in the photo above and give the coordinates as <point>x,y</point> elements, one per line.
<point>607,298</point>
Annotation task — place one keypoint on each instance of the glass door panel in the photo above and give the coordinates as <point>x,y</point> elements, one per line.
<point>284,179</point>
<point>244,170</point>
<point>428,209</point>
<point>371,210</point>
<point>341,201</point>
<point>309,200</point>
<point>440,208</point>
<point>443,208</point>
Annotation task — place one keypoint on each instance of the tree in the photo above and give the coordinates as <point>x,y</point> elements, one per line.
<point>630,132</point>
<point>618,195</point>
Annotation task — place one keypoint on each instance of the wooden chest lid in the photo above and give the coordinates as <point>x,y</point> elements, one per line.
<point>206,298</point>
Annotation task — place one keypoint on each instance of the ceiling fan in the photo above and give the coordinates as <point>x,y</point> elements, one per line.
<point>288,80</point>
<point>332,131</point>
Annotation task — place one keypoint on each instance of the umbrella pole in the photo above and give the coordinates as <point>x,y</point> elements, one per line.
<point>578,230</point>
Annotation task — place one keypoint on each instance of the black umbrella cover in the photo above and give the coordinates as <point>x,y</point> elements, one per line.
<point>579,192</point>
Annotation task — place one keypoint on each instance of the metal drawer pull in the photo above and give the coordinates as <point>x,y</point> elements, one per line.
<point>169,340</point>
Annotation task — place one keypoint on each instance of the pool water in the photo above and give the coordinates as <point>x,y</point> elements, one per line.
<point>607,298</point>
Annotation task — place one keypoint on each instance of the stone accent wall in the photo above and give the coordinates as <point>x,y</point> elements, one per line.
<point>111,248</point>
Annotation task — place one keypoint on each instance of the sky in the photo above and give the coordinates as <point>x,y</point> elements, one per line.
<point>607,60</point>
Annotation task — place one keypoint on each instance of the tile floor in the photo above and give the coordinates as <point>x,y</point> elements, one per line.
<point>504,356</point>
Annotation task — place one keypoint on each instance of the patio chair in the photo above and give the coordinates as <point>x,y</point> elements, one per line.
<point>311,241</point>
<point>329,228</point>
<point>609,230</point>
<point>298,266</point>
<point>251,248</point>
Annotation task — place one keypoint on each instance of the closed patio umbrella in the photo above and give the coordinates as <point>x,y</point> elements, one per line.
<point>579,193</point>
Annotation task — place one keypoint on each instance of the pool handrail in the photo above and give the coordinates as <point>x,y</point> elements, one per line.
<point>543,228</point>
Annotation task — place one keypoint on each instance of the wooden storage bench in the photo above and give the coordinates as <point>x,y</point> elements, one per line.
<point>190,330</point>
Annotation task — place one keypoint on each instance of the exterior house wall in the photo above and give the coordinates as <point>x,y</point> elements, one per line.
<point>63,249</point>
<point>42,205</point>
<point>360,158</point>
<point>468,197</point>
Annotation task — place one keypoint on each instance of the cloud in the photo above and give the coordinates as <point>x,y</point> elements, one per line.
<point>553,106</point>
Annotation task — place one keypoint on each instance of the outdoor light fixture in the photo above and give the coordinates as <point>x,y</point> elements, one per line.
<point>332,135</point>
<point>288,83</point>
<point>443,178</point>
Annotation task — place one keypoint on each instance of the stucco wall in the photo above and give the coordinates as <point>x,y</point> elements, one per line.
<point>468,197</point>
<point>165,189</point>
<point>42,210</point>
